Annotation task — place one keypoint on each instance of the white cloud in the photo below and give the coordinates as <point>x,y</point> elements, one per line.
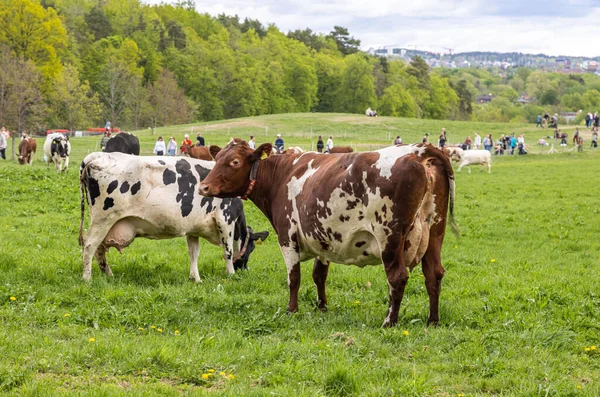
<point>464,25</point>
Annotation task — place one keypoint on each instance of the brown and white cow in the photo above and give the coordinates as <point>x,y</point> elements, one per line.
<point>365,208</point>
<point>340,149</point>
<point>202,152</point>
<point>27,148</point>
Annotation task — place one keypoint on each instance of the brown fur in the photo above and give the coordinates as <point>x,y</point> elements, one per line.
<point>27,149</point>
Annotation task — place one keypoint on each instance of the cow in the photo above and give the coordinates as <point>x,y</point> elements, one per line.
<point>27,148</point>
<point>468,157</point>
<point>155,197</point>
<point>202,152</point>
<point>365,208</point>
<point>293,150</point>
<point>123,142</point>
<point>340,149</point>
<point>57,149</point>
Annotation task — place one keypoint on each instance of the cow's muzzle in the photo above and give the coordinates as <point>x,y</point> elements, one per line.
<point>205,190</point>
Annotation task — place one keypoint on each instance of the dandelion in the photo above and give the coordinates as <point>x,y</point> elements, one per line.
<point>205,376</point>
<point>460,395</point>
<point>357,303</point>
<point>92,340</point>
<point>405,333</point>
<point>20,268</point>
<point>587,349</point>
<point>67,315</point>
<point>222,373</point>
<point>578,386</point>
<point>211,371</point>
<point>493,260</point>
<point>159,330</point>
<point>177,332</point>
<point>592,347</point>
<point>153,326</point>
<point>231,376</point>
<point>456,246</point>
<point>12,298</point>
<point>140,329</point>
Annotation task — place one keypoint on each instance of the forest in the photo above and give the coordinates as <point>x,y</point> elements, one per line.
<point>76,64</point>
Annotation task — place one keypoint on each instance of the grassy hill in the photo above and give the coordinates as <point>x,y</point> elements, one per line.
<point>519,310</point>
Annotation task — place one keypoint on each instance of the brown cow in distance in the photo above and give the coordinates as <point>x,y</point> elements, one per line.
<point>366,208</point>
<point>27,149</point>
<point>341,149</point>
<point>202,152</point>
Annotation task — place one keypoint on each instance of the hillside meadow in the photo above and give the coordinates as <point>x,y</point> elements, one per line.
<point>519,308</point>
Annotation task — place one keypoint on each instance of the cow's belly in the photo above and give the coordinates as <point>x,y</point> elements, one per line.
<point>359,249</point>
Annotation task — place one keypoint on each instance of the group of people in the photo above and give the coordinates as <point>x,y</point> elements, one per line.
<point>506,144</point>
<point>547,121</point>
<point>592,120</point>
<point>371,113</point>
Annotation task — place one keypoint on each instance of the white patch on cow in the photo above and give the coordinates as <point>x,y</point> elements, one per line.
<point>389,155</point>
<point>291,258</point>
<point>300,156</point>
<point>295,185</point>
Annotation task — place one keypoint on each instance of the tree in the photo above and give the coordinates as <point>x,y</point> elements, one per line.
<point>357,91</point>
<point>114,88</point>
<point>169,101</point>
<point>72,101</point>
<point>442,99</point>
<point>397,102</point>
<point>346,45</point>
<point>465,99</point>
<point>98,23</point>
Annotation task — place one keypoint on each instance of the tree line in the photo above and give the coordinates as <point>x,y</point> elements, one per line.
<point>78,63</point>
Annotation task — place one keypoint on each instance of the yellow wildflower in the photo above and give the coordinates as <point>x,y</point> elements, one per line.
<point>405,333</point>
<point>231,376</point>
<point>592,347</point>
<point>204,376</point>
<point>460,395</point>
<point>12,298</point>
<point>140,329</point>
<point>578,386</point>
<point>357,302</point>
<point>67,315</point>
<point>153,326</point>
<point>92,340</point>
<point>177,332</point>
<point>587,349</point>
<point>211,370</point>
<point>493,260</point>
<point>222,373</point>
<point>456,246</point>
<point>159,330</point>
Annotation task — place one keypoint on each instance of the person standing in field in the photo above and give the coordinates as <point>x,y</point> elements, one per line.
<point>2,146</point>
<point>487,143</point>
<point>329,144</point>
<point>104,140</point>
<point>279,144</point>
<point>595,137</point>
<point>159,147</point>
<point>538,123</point>
<point>320,144</point>
<point>425,138</point>
<point>251,142</point>
<point>477,142</point>
<point>576,137</point>
<point>199,140</point>
<point>107,126</point>
<point>442,139</point>
<point>398,140</point>
<point>172,147</point>
<point>186,142</point>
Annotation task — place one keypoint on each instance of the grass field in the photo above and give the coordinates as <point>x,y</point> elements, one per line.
<point>520,306</point>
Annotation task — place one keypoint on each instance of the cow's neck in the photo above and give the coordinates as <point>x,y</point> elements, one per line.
<point>268,182</point>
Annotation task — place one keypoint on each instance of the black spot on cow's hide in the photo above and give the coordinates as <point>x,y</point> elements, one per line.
<point>294,239</point>
<point>136,187</point>
<point>202,172</point>
<point>93,189</point>
<point>187,183</point>
<point>365,253</point>
<point>324,245</point>
<point>112,186</point>
<point>360,243</point>
<point>209,202</point>
<point>161,162</point>
<point>344,218</point>
<point>108,203</point>
<point>352,204</point>
<point>337,236</point>
<point>124,187</point>
<point>169,177</point>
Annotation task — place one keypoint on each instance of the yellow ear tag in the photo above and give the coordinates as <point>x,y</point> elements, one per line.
<point>263,155</point>
<point>259,241</point>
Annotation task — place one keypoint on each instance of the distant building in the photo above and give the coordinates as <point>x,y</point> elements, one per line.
<point>484,98</point>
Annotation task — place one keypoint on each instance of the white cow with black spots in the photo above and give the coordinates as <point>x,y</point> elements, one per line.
<point>57,150</point>
<point>156,198</point>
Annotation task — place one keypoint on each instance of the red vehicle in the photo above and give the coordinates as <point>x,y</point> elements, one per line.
<point>98,131</point>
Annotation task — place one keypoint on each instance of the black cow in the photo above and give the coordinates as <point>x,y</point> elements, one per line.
<point>124,143</point>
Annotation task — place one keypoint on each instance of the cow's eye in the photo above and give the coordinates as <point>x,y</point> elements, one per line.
<point>235,162</point>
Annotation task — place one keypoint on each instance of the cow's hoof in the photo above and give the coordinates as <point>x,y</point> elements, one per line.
<point>433,323</point>
<point>322,306</point>
<point>87,278</point>
<point>292,310</point>
<point>196,280</point>
<point>388,324</point>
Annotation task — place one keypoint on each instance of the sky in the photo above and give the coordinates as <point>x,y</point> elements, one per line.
<point>552,27</point>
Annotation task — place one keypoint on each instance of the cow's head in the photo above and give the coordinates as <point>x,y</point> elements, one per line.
<point>247,247</point>
<point>230,176</point>
<point>23,149</point>
<point>60,146</point>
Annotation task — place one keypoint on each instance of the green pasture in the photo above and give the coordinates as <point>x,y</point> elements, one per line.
<point>519,308</point>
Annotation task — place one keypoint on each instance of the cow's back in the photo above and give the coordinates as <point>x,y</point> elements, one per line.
<point>123,143</point>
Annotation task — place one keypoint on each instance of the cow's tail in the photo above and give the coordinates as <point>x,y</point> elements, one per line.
<point>83,191</point>
<point>445,162</point>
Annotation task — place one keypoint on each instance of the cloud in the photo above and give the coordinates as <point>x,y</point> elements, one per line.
<point>554,27</point>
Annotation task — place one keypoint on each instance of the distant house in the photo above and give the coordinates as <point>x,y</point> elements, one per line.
<point>484,98</point>
<point>524,99</point>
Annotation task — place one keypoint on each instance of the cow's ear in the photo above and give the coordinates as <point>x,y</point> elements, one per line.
<point>259,237</point>
<point>262,152</point>
<point>214,150</point>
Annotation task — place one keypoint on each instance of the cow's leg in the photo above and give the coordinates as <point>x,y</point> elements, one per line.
<point>66,163</point>
<point>489,168</point>
<point>397,276</point>
<point>460,166</point>
<point>226,234</point>
<point>433,272</point>
<point>292,262</point>
<point>193,245</point>
<point>101,258</point>
<point>320,271</point>
<point>93,240</point>
<point>469,168</point>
